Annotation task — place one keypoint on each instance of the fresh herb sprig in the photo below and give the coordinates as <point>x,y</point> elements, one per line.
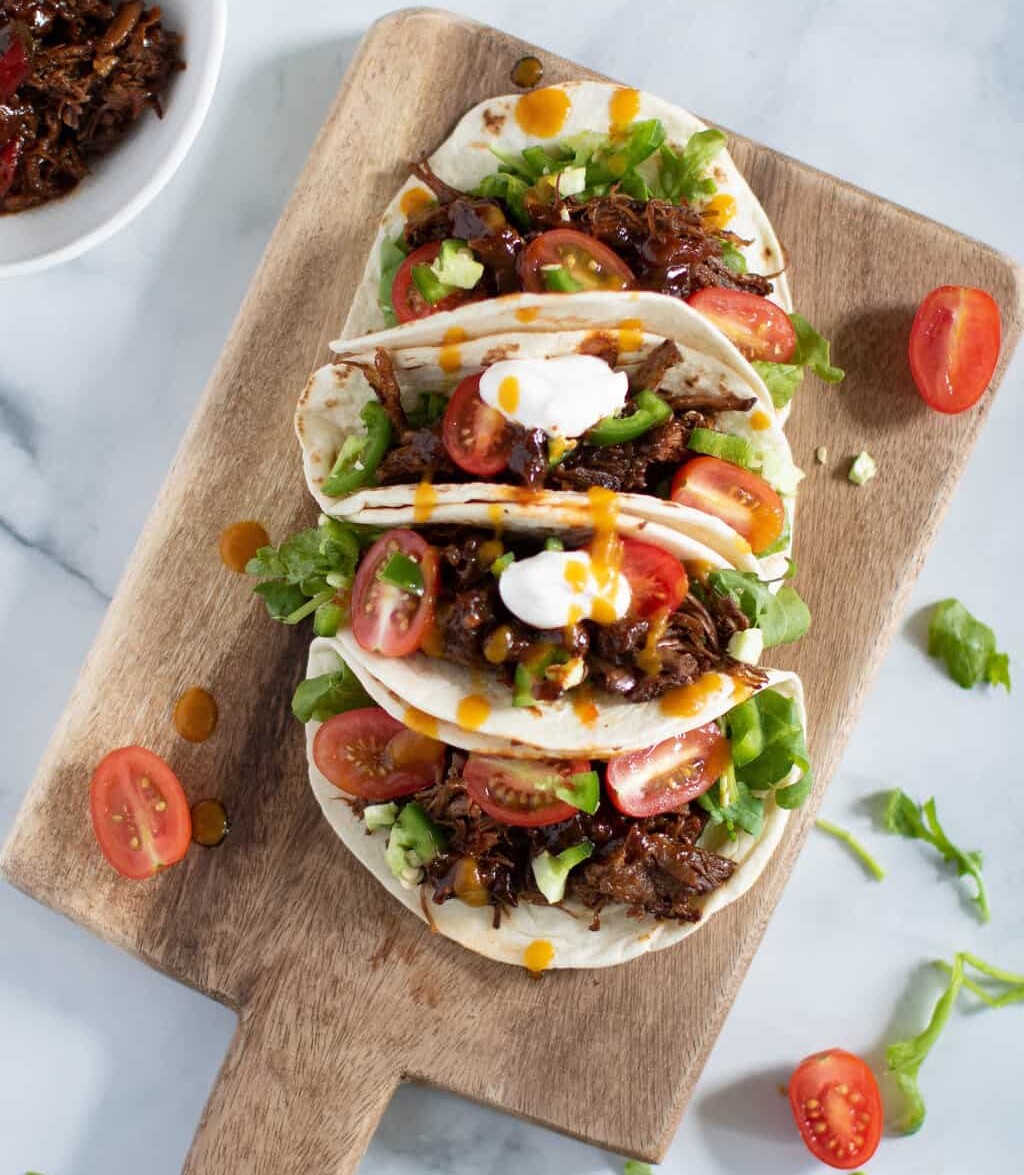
<point>967,647</point>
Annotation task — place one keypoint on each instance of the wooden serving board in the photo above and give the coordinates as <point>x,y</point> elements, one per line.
<point>341,993</point>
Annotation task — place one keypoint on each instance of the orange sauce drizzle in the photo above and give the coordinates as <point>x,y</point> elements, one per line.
<point>538,956</point>
<point>583,706</point>
<point>472,712</point>
<point>688,700</point>
<point>649,659</point>
<point>631,334</point>
<point>421,723</point>
<point>508,394</point>
<point>195,715</point>
<point>432,641</point>
<point>414,199</point>
<point>239,542</point>
<point>423,502</point>
<point>718,211</point>
<point>605,552</point>
<point>576,575</point>
<point>496,516</point>
<point>450,357</point>
<point>623,107</point>
<point>527,313</point>
<point>543,112</point>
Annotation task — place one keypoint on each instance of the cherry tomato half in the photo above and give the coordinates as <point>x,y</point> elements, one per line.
<point>406,300</point>
<point>139,812</point>
<point>954,347</point>
<point>588,261</point>
<point>657,581</point>
<point>837,1107</point>
<point>759,328</point>
<point>734,494</point>
<point>477,437</point>
<point>369,754</point>
<point>14,68</point>
<point>385,618</point>
<point>521,791</point>
<point>664,777</point>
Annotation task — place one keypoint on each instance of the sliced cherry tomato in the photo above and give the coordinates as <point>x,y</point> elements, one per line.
<point>9,157</point>
<point>734,494</point>
<point>139,812</point>
<point>657,581</point>
<point>385,618</point>
<point>587,261</point>
<point>521,791</point>
<point>14,68</point>
<point>662,778</point>
<point>954,347</point>
<point>369,754</point>
<point>759,328</point>
<point>837,1107</point>
<point>406,300</point>
<point>478,438</point>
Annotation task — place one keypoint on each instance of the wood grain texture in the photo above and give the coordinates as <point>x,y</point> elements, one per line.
<point>341,993</point>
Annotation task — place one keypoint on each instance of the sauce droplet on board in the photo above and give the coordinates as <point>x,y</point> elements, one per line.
<point>195,714</point>
<point>473,711</point>
<point>450,357</point>
<point>538,956</point>
<point>543,112</point>
<point>688,700</point>
<point>527,72</point>
<point>239,542</point>
<point>210,824</point>
<point>623,107</point>
<point>414,199</point>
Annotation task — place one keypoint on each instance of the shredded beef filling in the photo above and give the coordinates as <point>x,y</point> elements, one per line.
<point>651,865</point>
<point>638,659</point>
<point>92,69</point>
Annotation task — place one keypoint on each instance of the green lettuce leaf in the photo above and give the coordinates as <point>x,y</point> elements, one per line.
<point>781,379</point>
<point>322,697</point>
<point>782,616</point>
<point>681,175</point>
<point>813,351</point>
<point>904,817</point>
<point>967,647</point>
<point>392,254</point>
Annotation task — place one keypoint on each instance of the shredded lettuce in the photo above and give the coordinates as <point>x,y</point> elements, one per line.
<point>904,817</point>
<point>767,742</point>
<point>905,1057</point>
<point>967,647</point>
<point>813,351</point>
<point>681,175</point>
<point>782,616</point>
<point>392,253</point>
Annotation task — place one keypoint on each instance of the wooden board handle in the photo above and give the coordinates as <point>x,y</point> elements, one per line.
<point>294,1098</point>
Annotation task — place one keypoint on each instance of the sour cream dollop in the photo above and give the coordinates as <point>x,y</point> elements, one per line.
<point>556,588</point>
<point>564,396</point>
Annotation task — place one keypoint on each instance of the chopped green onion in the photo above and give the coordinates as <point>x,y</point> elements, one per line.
<point>854,845</point>
<point>402,572</point>
<point>650,410</point>
<point>309,606</point>
<point>863,468</point>
<point>558,280</point>
<point>736,450</point>
<point>551,872</point>
<point>376,816</point>
<point>328,618</point>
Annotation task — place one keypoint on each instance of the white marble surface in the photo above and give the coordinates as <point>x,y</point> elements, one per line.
<point>104,1066</point>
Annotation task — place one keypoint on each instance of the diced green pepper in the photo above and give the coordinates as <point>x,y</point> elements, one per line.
<point>402,572</point>
<point>558,280</point>
<point>359,457</point>
<point>735,450</point>
<point>552,872</point>
<point>429,285</point>
<point>583,791</point>
<point>328,618</point>
<point>651,410</point>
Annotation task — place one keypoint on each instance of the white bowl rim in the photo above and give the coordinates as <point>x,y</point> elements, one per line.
<point>210,71</point>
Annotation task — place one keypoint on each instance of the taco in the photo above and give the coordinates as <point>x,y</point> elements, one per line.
<point>585,862</point>
<point>664,412</point>
<point>562,628</point>
<point>588,186</point>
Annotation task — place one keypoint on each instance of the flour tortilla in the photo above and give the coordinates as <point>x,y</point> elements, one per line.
<point>436,687</point>
<point>465,158</point>
<point>566,927</point>
<point>328,410</point>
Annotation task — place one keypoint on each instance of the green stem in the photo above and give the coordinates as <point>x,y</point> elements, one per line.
<point>854,845</point>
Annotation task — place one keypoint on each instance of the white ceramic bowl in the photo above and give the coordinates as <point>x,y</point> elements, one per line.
<point>122,183</point>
